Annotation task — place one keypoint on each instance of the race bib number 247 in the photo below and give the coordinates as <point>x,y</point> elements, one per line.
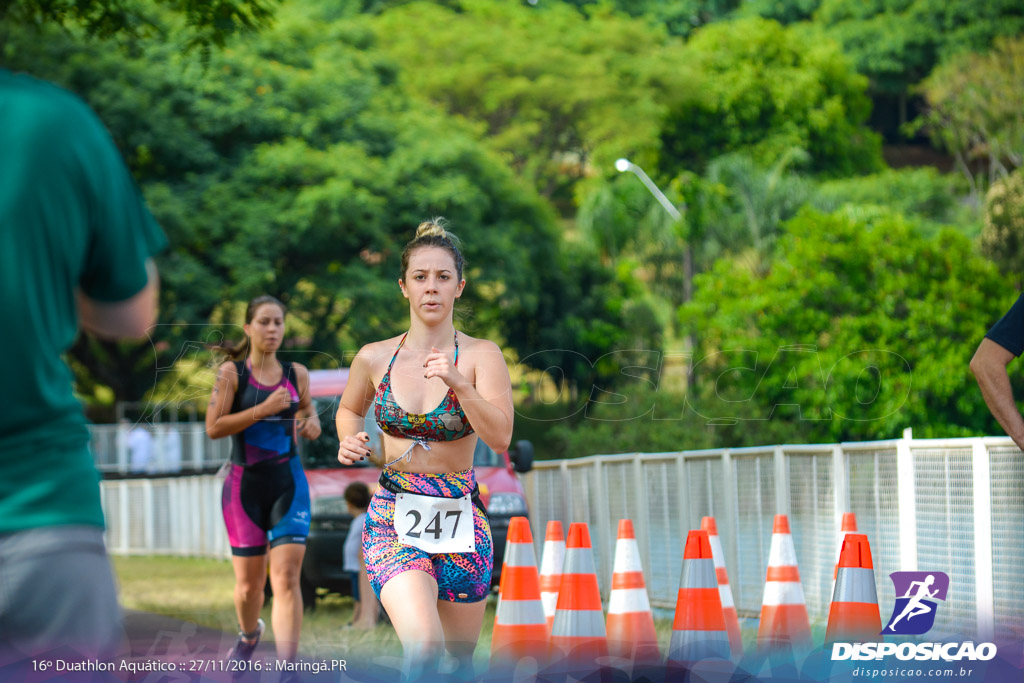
<point>435,525</point>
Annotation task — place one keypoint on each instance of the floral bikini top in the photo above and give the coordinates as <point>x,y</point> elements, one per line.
<point>446,422</point>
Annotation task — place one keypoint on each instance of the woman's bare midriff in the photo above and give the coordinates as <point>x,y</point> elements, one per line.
<point>443,456</point>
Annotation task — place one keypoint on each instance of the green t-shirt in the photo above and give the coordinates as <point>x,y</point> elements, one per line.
<point>71,217</point>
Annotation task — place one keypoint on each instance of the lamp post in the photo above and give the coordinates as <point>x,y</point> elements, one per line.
<point>623,165</point>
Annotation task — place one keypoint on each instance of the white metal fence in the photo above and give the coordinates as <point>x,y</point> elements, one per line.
<point>165,516</point>
<point>175,446</point>
<point>952,505</point>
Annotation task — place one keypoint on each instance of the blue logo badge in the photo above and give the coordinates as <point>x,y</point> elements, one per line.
<point>916,596</point>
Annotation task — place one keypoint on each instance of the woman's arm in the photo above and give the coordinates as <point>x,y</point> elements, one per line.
<point>488,404</point>
<point>307,421</point>
<point>220,423</point>
<point>989,367</point>
<point>355,401</point>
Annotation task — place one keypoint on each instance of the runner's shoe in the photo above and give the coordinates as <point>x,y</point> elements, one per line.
<point>242,651</point>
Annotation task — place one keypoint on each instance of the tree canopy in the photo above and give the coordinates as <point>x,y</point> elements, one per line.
<point>764,88</point>
<point>294,152</point>
<point>851,335</point>
<point>206,22</point>
<point>295,165</point>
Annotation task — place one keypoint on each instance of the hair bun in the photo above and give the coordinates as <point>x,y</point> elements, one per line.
<point>432,228</point>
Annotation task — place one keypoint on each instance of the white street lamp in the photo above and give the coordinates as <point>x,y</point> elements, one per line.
<point>623,165</point>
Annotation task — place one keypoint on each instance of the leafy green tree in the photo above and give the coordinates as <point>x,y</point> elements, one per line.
<point>1002,239</point>
<point>680,17</point>
<point>754,202</point>
<point>763,90</point>
<point>923,193</point>
<point>558,94</point>
<point>294,165</point>
<point>861,327</point>
<point>782,11</point>
<point>896,43</point>
<point>625,224</point>
<point>974,111</point>
<point>207,22</point>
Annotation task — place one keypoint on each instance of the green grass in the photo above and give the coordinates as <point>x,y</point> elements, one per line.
<point>201,590</point>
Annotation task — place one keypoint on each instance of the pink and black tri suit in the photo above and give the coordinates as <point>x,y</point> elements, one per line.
<point>266,497</point>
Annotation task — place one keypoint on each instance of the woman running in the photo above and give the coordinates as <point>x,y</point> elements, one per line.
<point>263,403</point>
<point>434,391</point>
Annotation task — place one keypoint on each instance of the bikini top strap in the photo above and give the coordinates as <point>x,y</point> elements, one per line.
<point>397,349</point>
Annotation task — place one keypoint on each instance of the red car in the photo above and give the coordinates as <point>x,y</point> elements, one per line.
<point>500,490</point>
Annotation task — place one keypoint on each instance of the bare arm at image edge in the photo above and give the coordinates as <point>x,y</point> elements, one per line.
<point>128,319</point>
<point>352,408</point>
<point>989,367</point>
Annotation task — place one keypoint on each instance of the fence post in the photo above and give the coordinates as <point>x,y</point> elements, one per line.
<point>198,448</point>
<point>125,511</point>
<point>643,528</point>
<point>730,522</point>
<point>983,582</point>
<point>121,443</point>
<point>567,501</point>
<point>907,498</point>
<point>682,501</point>
<point>148,517</point>
<point>603,526</point>
<point>782,506</point>
<point>840,490</point>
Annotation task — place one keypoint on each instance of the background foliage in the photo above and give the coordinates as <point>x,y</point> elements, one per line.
<point>847,174</point>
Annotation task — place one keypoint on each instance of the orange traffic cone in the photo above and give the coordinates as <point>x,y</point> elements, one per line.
<point>551,569</point>
<point>854,615</point>
<point>630,621</point>
<point>520,629</point>
<point>578,633</point>
<point>698,631</point>
<point>849,526</point>
<point>784,622</point>
<point>732,621</point>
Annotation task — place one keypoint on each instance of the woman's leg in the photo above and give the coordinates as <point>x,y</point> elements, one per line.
<point>286,613</point>
<point>250,577</point>
<point>366,608</point>
<point>461,623</point>
<point>411,601</point>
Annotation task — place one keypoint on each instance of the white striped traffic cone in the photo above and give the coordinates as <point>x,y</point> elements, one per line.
<point>853,615</point>
<point>520,629</point>
<point>732,621</point>
<point>848,526</point>
<point>631,632</point>
<point>579,634</point>
<point>784,623</point>
<point>551,569</point>
<point>699,637</point>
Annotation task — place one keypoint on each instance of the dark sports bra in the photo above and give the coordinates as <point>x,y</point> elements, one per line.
<point>446,422</point>
<point>270,439</point>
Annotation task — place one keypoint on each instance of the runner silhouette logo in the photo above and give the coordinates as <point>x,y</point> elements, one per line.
<point>917,594</point>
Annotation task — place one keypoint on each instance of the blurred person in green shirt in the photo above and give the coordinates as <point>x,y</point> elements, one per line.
<point>76,247</point>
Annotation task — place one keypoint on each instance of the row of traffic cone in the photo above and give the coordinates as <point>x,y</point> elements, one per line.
<point>577,628</point>
<point>566,604</point>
